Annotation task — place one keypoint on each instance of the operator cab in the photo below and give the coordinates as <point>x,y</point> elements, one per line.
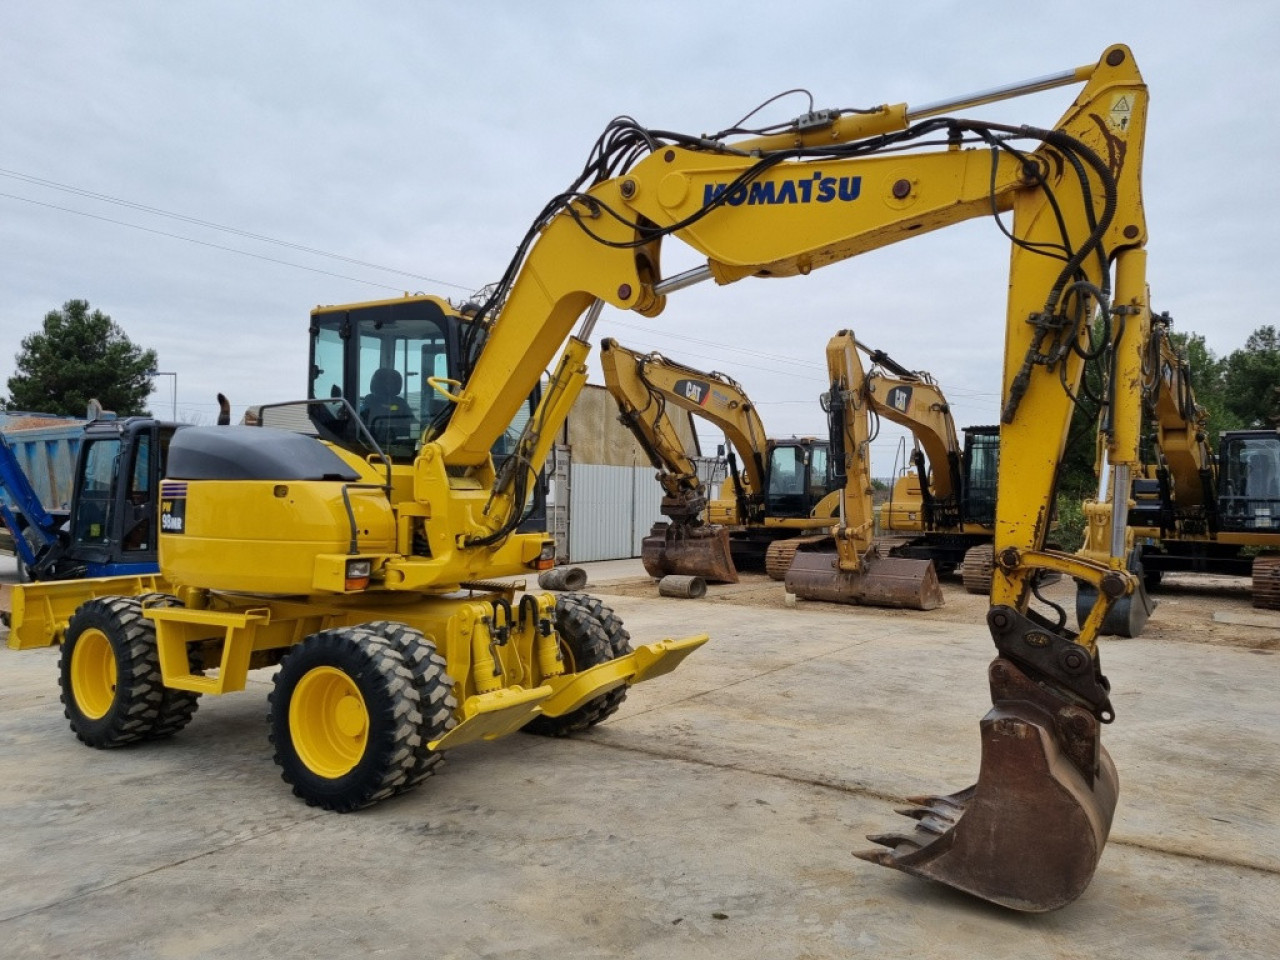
<point>980,469</point>
<point>397,362</point>
<point>1249,480</point>
<point>384,357</point>
<point>797,477</point>
<point>113,516</point>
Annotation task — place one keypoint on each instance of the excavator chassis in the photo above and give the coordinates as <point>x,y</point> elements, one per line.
<point>882,581</point>
<point>691,552</point>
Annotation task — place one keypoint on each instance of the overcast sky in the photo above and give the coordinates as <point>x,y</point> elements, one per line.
<point>424,137</point>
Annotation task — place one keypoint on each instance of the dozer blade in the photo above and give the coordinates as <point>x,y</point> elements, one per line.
<point>1029,833</point>
<point>700,552</point>
<point>882,581</point>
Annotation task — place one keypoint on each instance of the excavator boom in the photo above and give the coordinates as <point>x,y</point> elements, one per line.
<point>836,185</point>
<point>777,489</point>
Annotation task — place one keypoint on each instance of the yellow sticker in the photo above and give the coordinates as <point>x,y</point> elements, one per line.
<point>1121,111</point>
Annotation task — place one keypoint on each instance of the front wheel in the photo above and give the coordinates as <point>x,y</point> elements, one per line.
<point>109,673</point>
<point>345,719</point>
<point>590,634</point>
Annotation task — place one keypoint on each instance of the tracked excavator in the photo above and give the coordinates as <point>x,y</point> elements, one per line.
<point>777,488</point>
<point>848,565</point>
<point>944,506</point>
<point>375,576</point>
<point>956,542</point>
<point>1194,509</point>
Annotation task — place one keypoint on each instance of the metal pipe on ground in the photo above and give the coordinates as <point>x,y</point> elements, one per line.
<point>689,588</point>
<point>563,578</point>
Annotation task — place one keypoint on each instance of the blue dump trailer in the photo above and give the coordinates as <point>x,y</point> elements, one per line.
<point>37,472</point>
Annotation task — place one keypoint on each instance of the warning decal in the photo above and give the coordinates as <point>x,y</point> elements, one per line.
<point>1120,112</point>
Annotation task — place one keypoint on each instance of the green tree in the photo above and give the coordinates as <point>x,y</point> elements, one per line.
<point>1252,374</point>
<point>1209,381</point>
<point>77,356</point>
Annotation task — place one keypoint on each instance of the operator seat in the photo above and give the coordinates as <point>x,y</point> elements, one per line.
<point>1262,478</point>
<point>383,410</point>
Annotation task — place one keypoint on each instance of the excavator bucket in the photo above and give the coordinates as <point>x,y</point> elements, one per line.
<point>882,581</point>
<point>1029,833</point>
<point>1128,615</point>
<point>699,552</point>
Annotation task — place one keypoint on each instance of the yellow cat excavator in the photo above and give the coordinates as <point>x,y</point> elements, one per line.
<point>777,488</point>
<point>945,503</point>
<point>848,566</point>
<point>1195,509</point>
<point>313,549</point>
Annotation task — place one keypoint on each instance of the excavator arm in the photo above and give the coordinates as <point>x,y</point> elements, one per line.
<point>643,384</point>
<point>911,398</point>
<point>846,406</point>
<point>834,185</point>
<point>1181,425</point>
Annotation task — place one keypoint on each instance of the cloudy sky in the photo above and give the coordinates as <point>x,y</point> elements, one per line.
<point>207,172</point>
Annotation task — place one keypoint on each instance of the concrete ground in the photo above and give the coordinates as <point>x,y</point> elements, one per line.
<point>712,817</point>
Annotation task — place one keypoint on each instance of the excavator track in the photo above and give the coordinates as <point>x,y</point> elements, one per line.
<point>1266,582</point>
<point>777,559</point>
<point>976,571</point>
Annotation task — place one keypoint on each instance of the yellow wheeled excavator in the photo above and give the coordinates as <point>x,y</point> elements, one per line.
<point>848,566</point>
<point>330,539</point>
<point>375,575</point>
<point>777,488</point>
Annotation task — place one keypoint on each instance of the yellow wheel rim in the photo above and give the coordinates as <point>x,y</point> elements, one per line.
<point>93,674</point>
<point>329,722</point>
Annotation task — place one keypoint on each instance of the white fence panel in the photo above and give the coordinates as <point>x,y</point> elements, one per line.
<point>610,510</point>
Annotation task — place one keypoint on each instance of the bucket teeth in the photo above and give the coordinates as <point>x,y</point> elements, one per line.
<point>936,815</point>
<point>929,820</point>
<point>956,801</point>
<point>1028,834</point>
<point>897,843</point>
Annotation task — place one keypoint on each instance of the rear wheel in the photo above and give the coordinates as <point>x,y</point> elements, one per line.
<point>177,707</point>
<point>345,719</point>
<point>435,691</point>
<point>590,634</point>
<point>109,673</point>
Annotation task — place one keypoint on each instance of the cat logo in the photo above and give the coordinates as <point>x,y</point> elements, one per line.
<point>696,391</point>
<point>899,398</point>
